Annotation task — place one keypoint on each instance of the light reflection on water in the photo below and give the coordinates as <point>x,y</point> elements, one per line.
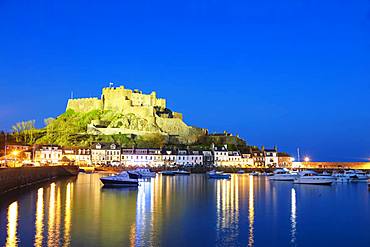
<point>51,217</point>
<point>293,217</point>
<point>12,238</point>
<point>68,215</point>
<point>251,212</point>
<point>185,211</point>
<point>227,210</point>
<point>39,222</point>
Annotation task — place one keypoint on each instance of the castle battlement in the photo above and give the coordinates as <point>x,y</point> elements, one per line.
<point>81,99</point>
<point>119,99</point>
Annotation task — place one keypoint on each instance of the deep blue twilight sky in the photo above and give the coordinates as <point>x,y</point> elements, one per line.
<point>295,73</point>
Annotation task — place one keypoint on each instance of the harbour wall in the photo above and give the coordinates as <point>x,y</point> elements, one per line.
<point>16,178</point>
<point>333,165</point>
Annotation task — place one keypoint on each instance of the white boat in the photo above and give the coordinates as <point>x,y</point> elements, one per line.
<point>218,175</point>
<point>311,177</point>
<point>168,173</point>
<point>356,175</point>
<point>341,178</point>
<point>141,173</point>
<point>120,180</point>
<point>255,173</point>
<point>181,172</point>
<point>240,172</point>
<point>283,174</point>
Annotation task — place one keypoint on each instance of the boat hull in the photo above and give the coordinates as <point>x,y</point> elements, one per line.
<point>282,178</point>
<point>137,174</point>
<point>118,183</point>
<point>168,173</point>
<point>317,181</point>
<point>219,176</point>
<point>182,173</point>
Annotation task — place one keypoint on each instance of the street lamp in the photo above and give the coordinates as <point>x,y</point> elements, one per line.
<point>306,159</point>
<point>15,153</point>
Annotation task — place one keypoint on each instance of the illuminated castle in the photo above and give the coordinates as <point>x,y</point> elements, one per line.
<point>132,112</point>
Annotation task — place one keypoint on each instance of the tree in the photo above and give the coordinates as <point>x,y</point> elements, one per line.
<point>48,121</point>
<point>24,131</point>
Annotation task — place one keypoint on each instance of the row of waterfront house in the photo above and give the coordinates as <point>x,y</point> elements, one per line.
<point>112,154</point>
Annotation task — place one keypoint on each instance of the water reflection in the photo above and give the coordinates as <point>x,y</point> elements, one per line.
<point>251,212</point>
<point>227,210</point>
<point>144,206</point>
<point>67,215</point>
<point>39,222</point>
<point>51,216</point>
<point>12,238</point>
<point>293,217</point>
<point>170,211</point>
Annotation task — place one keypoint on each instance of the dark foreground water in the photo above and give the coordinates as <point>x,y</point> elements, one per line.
<point>187,211</point>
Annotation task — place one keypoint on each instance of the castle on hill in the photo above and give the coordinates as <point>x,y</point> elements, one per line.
<point>127,111</point>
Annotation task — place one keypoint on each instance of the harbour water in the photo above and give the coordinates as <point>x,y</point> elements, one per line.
<point>186,211</point>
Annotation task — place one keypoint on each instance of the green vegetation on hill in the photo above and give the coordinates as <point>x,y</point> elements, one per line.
<point>70,129</point>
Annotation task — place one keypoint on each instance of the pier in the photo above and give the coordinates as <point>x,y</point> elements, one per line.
<point>16,178</point>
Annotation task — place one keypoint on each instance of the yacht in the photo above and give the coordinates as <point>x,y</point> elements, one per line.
<point>120,180</point>
<point>181,172</point>
<point>283,175</point>
<point>341,178</point>
<point>356,176</point>
<point>240,172</point>
<point>168,173</point>
<point>311,177</point>
<point>255,173</point>
<point>218,175</point>
<point>141,173</point>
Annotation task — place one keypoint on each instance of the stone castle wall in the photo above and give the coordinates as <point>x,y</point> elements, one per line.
<point>126,111</point>
<point>120,100</point>
<point>84,104</point>
<point>177,115</point>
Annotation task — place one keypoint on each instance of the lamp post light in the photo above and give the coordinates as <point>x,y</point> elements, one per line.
<point>306,159</point>
<point>15,154</point>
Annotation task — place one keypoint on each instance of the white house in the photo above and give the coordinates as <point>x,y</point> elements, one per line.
<point>169,157</point>
<point>106,154</point>
<point>271,157</point>
<point>189,158</point>
<point>83,156</point>
<point>221,155</point>
<point>48,155</point>
<point>141,157</point>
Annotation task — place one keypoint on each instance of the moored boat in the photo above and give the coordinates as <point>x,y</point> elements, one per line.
<point>168,173</point>
<point>240,172</point>
<point>283,174</point>
<point>255,173</point>
<point>356,175</point>
<point>120,180</point>
<point>181,172</point>
<point>341,178</point>
<point>218,175</point>
<point>311,177</point>
<point>141,173</point>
